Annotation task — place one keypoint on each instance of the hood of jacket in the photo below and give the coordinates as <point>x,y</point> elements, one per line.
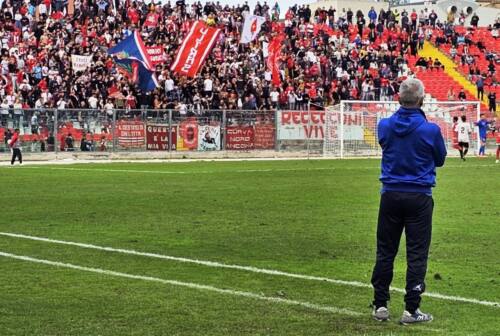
<point>406,120</point>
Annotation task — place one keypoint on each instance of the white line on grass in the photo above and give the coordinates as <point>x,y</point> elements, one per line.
<point>249,295</point>
<point>169,172</point>
<point>246,268</point>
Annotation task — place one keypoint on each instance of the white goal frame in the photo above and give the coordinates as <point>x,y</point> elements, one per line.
<point>356,135</point>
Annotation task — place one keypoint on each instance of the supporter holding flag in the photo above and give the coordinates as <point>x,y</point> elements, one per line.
<point>135,72</point>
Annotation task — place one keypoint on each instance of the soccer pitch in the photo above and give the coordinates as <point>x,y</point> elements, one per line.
<point>234,248</point>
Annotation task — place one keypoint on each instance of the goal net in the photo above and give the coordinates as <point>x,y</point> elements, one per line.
<point>351,126</point>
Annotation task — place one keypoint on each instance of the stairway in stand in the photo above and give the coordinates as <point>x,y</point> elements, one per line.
<point>434,80</point>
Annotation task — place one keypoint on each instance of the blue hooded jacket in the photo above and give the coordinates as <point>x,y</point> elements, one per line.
<point>412,148</point>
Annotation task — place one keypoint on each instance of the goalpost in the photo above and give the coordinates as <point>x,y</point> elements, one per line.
<point>351,126</point>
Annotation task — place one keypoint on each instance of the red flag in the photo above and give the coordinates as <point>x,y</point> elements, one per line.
<point>278,27</point>
<point>194,49</point>
<point>274,49</point>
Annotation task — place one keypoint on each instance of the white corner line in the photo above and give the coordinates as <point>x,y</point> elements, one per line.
<point>247,268</point>
<point>190,285</point>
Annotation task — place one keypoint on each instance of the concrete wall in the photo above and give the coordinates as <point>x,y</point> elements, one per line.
<point>364,5</point>
<point>487,15</point>
<point>155,155</point>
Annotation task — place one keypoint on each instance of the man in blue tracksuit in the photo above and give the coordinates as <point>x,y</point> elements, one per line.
<point>482,125</point>
<point>412,148</point>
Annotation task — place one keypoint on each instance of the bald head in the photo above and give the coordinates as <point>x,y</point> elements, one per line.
<point>411,93</point>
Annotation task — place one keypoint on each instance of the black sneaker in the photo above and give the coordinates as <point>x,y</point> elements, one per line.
<point>416,317</point>
<point>380,314</point>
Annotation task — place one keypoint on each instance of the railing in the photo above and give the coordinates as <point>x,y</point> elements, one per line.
<point>48,130</point>
<point>348,129</point>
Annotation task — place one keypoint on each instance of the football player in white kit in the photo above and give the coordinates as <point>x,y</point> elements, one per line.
<point>464,130</point>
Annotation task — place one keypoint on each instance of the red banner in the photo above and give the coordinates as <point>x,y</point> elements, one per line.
<point>2,133</point>
<point>240,137</point>
<point>264,136</point>
<point>194,49</point>
<point>274,50</point>
<point>156,54</point>
<point>130,133</point>
<point>157,137</point>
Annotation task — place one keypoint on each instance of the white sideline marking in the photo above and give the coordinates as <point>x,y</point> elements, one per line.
<point>227,171</point>
<point>186,172</point>
<point>191,285</point>
<point>247,268</point>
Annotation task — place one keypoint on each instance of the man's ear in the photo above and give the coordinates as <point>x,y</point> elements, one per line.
<point>421,102</point>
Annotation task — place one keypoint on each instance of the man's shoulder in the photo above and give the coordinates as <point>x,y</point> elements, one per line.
<point>383,124</point>
<point>431,128</point>
<point>429,125</point>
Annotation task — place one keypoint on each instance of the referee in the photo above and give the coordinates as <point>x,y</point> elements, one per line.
<point>412,148</point>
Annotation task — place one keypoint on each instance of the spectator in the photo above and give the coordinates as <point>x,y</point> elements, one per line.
<point>372,14</point>
<point>7,136</point>
<point>492,102</point>
<point>422,63</point>
<point>480,87</point>
<point>102,144</point>
<point>451,94</point>
<point>437,65</point>
<point>433,18</point>
<point>410,146</point>
<point>275,98</point>
<point>69,142</point>
<point>461,95</point>
<point>474,20</point>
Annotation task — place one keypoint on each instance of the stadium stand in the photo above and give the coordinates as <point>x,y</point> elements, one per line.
<point>476,52</point>
<point>327,56</point>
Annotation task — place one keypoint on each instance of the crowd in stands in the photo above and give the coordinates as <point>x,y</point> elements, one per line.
<point>477,54</point>
<point>328,55</point>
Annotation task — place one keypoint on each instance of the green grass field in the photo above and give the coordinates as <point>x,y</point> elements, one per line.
<point>313,218</point>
